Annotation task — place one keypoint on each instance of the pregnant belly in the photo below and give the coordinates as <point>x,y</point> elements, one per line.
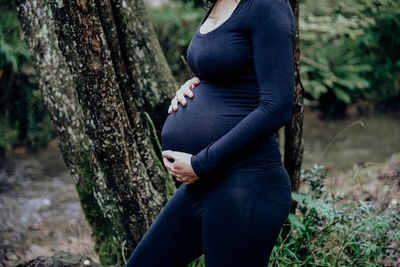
<point>212,112</point>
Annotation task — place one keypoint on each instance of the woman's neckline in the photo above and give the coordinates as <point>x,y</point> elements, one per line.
<point>222,24</point>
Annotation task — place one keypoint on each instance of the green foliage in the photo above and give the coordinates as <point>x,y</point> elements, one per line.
<point>327,233</point>
<point>13,50</point>
<point>175,24</point>
<point>8,134</point>
<point>23,110</point>
<point>39,129</point>
<point>349,50</point>
<point>23,116</point>
<point>199,262</point>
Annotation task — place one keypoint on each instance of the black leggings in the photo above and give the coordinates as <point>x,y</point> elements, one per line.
<point>234,219</point>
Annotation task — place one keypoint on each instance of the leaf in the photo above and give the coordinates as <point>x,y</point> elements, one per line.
<point>342,95</point>
<point>324,208</point>
<point>294,220</point>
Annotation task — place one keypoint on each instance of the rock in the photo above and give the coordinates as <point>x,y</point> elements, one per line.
<point>11,256</point>
<point>60,259</point>
<point>37,250</point>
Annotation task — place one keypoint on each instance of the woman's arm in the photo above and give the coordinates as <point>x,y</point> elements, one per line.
<point>272,31</point>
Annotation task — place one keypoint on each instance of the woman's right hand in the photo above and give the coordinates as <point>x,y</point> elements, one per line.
<point>185,90</point>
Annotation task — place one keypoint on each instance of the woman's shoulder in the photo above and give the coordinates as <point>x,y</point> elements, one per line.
<point>270,11</point>
<point>255,4</point>
<point>267,6</point>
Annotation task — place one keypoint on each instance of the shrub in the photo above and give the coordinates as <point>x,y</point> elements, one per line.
<point>325,233</point>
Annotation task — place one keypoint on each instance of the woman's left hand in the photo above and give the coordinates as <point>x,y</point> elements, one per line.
<point>181,167</point>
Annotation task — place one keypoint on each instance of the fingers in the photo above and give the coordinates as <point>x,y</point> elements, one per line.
<point>175,171</point>
<point>188,91</point>
<point>173,106</point>
<point>180,94</point>
<point>181,97</point>
<point>193,82</point>
<point>168,153</point>
<point>182,179</point>
<point>169,160</point>
<point>184,90</point>
<point>169,166</point>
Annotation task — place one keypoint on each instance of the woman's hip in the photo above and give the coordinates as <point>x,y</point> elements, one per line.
<point>271,185</point>
<point>270,175</point>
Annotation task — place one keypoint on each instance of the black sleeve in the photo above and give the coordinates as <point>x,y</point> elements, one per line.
<point>272,30</point>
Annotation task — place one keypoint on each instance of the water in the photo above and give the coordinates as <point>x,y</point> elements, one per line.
<point>351,141</point>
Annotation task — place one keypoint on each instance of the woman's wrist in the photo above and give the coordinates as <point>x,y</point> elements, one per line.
<point>198,170</point>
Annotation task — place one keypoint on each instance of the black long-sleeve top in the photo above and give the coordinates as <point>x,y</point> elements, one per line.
<point>245,67</point>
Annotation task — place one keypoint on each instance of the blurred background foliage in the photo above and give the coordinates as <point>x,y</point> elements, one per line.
<point>24,119</point>
<point>350,52</point>
<point>175,24</point>
<point>349,56</point>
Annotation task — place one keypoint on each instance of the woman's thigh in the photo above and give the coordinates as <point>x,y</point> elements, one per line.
<point>173,239</point>
<point>242,217</point>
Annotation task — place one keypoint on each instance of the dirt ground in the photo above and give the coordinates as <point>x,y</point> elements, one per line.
<point>376,182</point>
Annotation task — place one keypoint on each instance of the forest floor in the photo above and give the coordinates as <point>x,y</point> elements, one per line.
<point>378,182</point>
<point>40,212</point>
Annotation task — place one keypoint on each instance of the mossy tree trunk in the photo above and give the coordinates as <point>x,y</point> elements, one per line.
<point>102,75</point>
<point>294,147</point>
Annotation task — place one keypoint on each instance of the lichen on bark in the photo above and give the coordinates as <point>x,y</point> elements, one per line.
<point>98,99</point>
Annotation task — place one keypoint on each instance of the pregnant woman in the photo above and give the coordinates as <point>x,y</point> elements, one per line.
<point>235,193</point>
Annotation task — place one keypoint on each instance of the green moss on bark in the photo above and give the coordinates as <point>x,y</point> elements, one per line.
<point>108,250</point>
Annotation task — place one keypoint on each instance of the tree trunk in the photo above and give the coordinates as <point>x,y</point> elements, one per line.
<point>293,152</point>
<point>102,75</point>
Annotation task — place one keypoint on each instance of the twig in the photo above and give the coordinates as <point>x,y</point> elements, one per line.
<point>338,135</point>
<point>311,62</point>
<point>188,69</point>
<point>123,251</point>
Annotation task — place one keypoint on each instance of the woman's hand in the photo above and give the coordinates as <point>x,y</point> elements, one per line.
<point>185,90</point>
<point>178,164</point>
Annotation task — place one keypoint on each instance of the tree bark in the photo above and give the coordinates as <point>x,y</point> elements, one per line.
<point>102,76</point>
<point>294,147</point>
